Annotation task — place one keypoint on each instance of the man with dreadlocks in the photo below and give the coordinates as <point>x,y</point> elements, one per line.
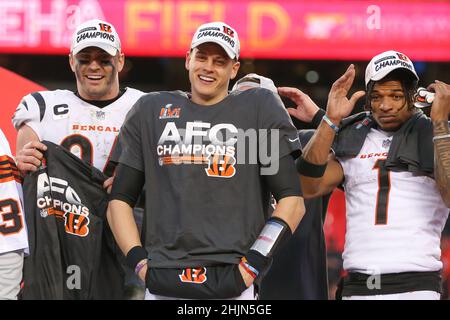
<point>397,195</point>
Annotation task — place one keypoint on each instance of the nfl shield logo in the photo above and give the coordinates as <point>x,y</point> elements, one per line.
<point>100,115</point>
<point>386,143</point>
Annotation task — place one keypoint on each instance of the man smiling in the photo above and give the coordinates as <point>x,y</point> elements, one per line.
<point>85,122</point>
<point>204,208</point>
<point>211,66</point>
<point>57,116</point>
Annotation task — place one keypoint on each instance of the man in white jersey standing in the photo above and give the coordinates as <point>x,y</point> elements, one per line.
<point>396,205</point>
<point>85,122</point>
<point>13,232</point>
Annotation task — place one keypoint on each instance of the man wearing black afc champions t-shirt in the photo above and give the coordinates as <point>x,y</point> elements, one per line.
<point>209,161</point>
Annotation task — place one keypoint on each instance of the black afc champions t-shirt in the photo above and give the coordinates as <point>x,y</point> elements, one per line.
<point>206,200</point>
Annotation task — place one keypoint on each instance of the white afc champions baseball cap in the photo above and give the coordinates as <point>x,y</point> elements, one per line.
<point>384,63</point>
<point>220,33</point>
<point>96,33</point>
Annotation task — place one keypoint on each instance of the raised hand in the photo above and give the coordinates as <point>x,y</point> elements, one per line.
<point>339,106</point>
<point>305,108</point>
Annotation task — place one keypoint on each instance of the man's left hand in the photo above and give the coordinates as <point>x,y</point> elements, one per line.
<point>440,109</point>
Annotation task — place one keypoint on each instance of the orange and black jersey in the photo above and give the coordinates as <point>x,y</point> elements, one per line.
<point>13,232</point>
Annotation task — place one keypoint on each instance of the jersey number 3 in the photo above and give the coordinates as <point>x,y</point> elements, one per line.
<point>384,187</point>
<point>11,220</point>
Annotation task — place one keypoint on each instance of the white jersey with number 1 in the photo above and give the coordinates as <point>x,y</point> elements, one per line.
<point>63,118</point>
<point>394,219</point>
<point>13,231</point>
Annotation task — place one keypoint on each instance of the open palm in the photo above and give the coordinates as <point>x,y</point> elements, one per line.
<point>339,106</point>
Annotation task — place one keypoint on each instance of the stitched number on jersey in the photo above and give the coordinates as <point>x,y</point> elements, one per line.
<point>384,187</point>
<point>82,143</point>
<point>85,151</point>
<point>10,218</point>
<point>109,165</point>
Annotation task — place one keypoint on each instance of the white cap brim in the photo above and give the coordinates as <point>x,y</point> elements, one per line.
<point>112,51</point>
<point>228,50</point>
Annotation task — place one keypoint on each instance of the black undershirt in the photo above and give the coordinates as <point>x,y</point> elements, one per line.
<point>102,103</point>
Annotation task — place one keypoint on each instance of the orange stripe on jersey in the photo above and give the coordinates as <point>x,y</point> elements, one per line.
<point>10,177</point>
<point>8,170</point>
<point>5,159</point>
<point>7,179</point>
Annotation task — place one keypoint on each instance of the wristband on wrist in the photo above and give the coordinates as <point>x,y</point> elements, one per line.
<point>135,255</point>
<point>275,233</point>
<point>139,266</point>
<point>330,123</point>
<point>309,169</point>
<point>443,136</point>
<point>248,268</point>
<point>315,122</point>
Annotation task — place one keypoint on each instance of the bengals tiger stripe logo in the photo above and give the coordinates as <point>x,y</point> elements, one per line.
<point>228,31</point>
<point>402,56</point>
<point>105,27</point>
<point>76,224</point>
<point>193,275</point>
<point>221,166</point>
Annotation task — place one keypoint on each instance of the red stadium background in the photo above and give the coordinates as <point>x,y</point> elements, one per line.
<point>268,29</point>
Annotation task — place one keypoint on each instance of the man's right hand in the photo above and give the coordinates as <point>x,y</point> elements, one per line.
<point>305,107</point>
<point>248,279</point>
<point>339,106</point>
<point>440,109</point>
<point>29,158</point>
<point>143,273</point>
<point>108,184</point>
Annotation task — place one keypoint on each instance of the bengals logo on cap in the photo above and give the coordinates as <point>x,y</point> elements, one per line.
<point>105,27</point>
<point>221,166</point>
<point>193,275</point>
<point>76,224</point>
<point>228,31</point>
<point>402,57</point>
